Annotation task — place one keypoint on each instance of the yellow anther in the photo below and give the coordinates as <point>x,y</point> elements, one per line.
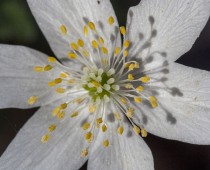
<point>80,43</point>
<point>56,111</point>
<point>129,86</point>
<point>99,120</point>
<point>137,99</point>
<point>48,68</point>
<point>143,133</point>
<point>125,53</point>
<point>101,40</point>
<point>92,26</point>
<point>94,44</point>
<point>103,61</point>
<point>145,79</point>
<point>123,100</point>
<point>116,51</point>
<point>45,138</point>
<point>58,80</point>
<point>89,137</point>
<point>126,44</point>
<point>60,90</point>
<point>63,106</point>
<point>38,69</point>
<point>64,75</point>
<point>71,81</point>
<point>79,100</point>
<point>51,128</point>
<point>136,129</point>
<point>32,100</point>
<point>86,126</point>
<point>74,46</point>
<point>111,20</point>
<point>84,153</point>
<point>104,128</point>
<point>96,84</point>
<point>52,59</point>
<point>153,101</point>
<point>130,112</point>
<point>106,143</point>
<point>123,30</point>
<point>126,65</point>
<point>63,29</point>
<point>120,130</point>
<point>104,50</point>
<point>51,84</point>
<point>72,55</point>
<point>117,116</point>
<point>131,67</point>
<point>130,77</point>
<point>74,114</point>
<point>136,65</point>
<point>86,53</point>
<point>85,31</point>
<point>60,115</point>
<point>139,89</point>
<point>92,108</point>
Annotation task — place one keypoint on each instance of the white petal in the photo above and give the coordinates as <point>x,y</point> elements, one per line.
<point>184,105</point>
<point>19,81</point>
<point>62,150</point>
<point>51,14</point>
<point>128,151</point>
<point>177,24</point>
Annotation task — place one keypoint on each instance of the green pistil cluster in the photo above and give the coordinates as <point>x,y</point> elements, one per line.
<point>100,85</point>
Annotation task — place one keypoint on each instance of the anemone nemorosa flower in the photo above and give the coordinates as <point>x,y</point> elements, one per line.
<point>103,93</point>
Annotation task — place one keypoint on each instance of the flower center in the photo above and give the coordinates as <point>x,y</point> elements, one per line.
<point>99,84</point>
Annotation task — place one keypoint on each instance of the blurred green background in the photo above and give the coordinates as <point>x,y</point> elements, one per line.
<point>18,27</point>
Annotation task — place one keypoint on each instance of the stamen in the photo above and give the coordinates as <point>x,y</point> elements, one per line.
<point>145,79</point>
<point>52,59</point>
<point>126,44</point>
<point>72,55</point>
<point>111,20</point>
<point>137,99</point>
<point>136,129</point>
<point>120,130</point>
<point>32,100</point>
<point>89,137</point>
<point>60,90</point>
<point>63,29</point>
<point>122,30</point>
<point>130,77</point>
<point>104,128</point>
<point>143,133</point>
<point>84,152</point>
<point>104,50</point>
<point>51,128</point>
<point>94,44</point>
<point>153,101</point>
<point>139,89</point>
<point>86,126</point>
<point>48,68</point>
<point>38,69</point>
<point>74,46</point>
<point>106,143</point>
<point>91,26</point>
<point>80,43</point>
<point>45,138</point>
<point>125,53</point>
<point>85,31</point>
<point>116,51</point>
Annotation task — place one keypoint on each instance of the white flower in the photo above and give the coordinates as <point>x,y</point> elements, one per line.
<point>103,92</point>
